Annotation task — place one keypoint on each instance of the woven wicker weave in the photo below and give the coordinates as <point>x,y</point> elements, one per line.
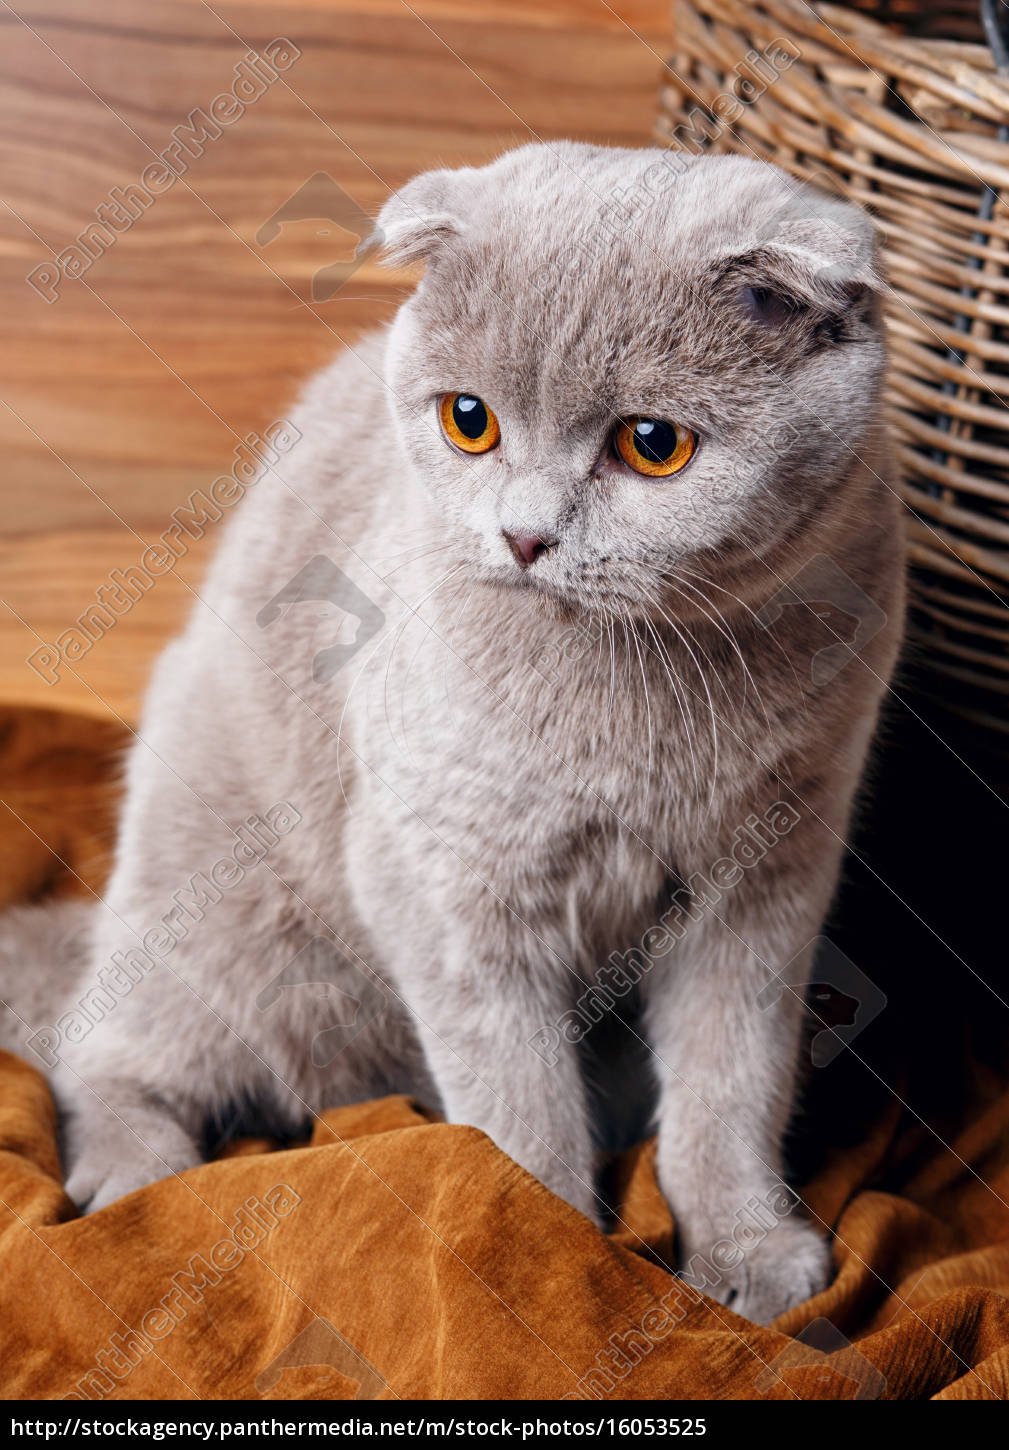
<point>911,124</point>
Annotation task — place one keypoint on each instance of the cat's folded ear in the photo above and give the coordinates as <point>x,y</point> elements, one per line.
<point>814,258</point>
<point>420,218</point>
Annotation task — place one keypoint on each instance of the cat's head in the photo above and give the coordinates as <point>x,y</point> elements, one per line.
<point>619,362</point>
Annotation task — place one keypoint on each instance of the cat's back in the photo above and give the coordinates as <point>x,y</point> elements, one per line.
<point>322,491</point>
<point>291,574</point>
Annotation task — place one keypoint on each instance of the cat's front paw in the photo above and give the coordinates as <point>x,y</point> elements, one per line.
<point>114,1146</point>
<point>94,1182</point>
<point>788,1265</point>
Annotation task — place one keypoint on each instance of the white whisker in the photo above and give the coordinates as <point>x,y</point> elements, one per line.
<point>613,665</point>
<point>710,584</point>
<point>730,636</point>
<point>711,705</point>
<point>664,660</point>
<point>648,703</point>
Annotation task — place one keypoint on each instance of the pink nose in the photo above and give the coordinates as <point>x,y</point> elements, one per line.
<point>527,547</point>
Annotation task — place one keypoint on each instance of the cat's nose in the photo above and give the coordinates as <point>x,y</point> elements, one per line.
<point>527,547</point>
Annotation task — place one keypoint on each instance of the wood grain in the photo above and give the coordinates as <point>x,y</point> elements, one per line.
<point>132,388</point>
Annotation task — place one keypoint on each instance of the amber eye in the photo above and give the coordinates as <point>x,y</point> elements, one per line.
<point>469,423</point>
<point>653,447</point>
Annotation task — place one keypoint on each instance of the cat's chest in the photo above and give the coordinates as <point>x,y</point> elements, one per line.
<point>470,733</point>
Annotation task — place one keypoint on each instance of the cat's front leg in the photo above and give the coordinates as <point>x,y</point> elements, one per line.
<point>726,1036</point>
<point>485,1019</point>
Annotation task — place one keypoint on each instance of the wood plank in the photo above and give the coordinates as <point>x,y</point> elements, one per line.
<point>374,98</point>
<point>49,580</point>
<point>132,388</point>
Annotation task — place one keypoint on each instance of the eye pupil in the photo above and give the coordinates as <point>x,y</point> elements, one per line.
<point>468,423</point>
<point>470,415</point>
<point>653,447</point>
<point>655,440</point>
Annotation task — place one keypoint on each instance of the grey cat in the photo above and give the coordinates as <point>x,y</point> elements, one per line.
<point>583,573</point>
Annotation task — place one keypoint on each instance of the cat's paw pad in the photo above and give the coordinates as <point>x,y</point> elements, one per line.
<point>789,1265</point>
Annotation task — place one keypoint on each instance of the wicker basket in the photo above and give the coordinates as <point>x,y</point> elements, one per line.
<point>914,125</point>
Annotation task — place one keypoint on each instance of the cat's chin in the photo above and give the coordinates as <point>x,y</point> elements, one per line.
<point>567,606</point>
<point>561,603</point>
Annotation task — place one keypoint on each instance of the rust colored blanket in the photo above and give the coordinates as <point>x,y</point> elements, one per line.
<point>397,1256</point>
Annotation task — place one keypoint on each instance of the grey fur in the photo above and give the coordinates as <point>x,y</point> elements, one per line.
<point>487,834</point>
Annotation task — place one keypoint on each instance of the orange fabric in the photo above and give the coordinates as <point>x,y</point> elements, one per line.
<point>399,1256</point>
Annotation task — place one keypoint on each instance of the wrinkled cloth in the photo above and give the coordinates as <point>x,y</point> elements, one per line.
<point>397,1256</point>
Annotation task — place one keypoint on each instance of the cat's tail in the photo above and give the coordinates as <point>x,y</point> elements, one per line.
<point>43,953</point>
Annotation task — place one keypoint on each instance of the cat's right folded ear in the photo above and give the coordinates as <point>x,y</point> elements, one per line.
<point>420,219</point>
<point>812,261</point>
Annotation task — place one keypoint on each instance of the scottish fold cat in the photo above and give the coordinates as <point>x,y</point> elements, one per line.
<point>508,754</point>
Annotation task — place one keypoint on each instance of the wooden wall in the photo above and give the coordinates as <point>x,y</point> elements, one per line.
<point>132,388</point>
